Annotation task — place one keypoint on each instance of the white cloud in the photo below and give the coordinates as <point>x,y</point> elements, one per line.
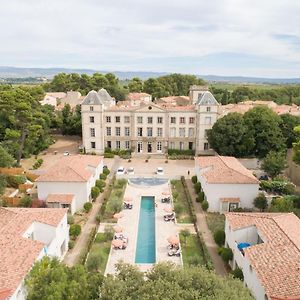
<point>148,35</point>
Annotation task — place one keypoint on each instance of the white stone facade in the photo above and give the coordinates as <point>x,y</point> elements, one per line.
<point>150,128</point>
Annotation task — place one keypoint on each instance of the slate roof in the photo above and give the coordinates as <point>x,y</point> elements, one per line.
<point>207,98</point>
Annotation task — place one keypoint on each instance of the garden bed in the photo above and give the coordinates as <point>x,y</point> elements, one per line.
<point>114,201</point>
<point>191,251</point>
<point>181,205</point>
<point>99,252</point>
<point>215,222</point>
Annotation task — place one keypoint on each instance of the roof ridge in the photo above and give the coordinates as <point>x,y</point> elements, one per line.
<point>274,220</point>
<point>227,165</point>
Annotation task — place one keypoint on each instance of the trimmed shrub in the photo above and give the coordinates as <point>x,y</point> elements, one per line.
<point>109,155</point>
<point>261,202</point>
<point>14,181</point>
<point>87,206</point>
<point>197,187</point>
<point>75,230</point>
<point>37,164</point>
<point>194,179</point>
<point>26,201</point>
<point>238,273</point>
<point>175,194</point>
<point>95,192</point>
<point>181,152</point>
<point>71,244</point>
<point>198,199</point>
<point>201,197</point>
<point>100,183</point>
<point>103,176</point>
<point>106,171</point>
<point>219,237</point>
<point>70,219</point>
<point>226,254</point>
<point>204,205</point>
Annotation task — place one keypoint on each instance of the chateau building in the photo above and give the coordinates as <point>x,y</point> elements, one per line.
<point>150,127</point>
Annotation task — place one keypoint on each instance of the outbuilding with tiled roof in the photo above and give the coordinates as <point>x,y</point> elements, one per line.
<point>226,183</point>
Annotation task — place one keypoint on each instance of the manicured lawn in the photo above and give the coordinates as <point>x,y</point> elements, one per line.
<point>181,205</point>
<point>114,202</point>
<point>215,222</point>
<point>100,249</point>
<point>191,251</point>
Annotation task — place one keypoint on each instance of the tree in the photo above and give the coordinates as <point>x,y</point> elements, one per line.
<point>185,233</point>
<point>95,192</point>
<point>289,122</point>
<point>261,202</point>
<point>204,205</point>
<point>49,279</point>
<point>219,237</point>
<point>135,85</point>
<point>230,136</point>
<point>296,146</point>
<point>282,204</point>
<point>6,160</point>
<point>274,163</point>
<point>264,125</point>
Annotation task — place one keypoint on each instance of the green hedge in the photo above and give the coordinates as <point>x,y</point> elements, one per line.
<point>205,254</point>
<point>181,152</point>
<point>194,179</point>
<point>86,249</point>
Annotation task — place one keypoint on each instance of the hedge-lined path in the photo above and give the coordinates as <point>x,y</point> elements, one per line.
<point>211,246</point>
<point>73,255</point>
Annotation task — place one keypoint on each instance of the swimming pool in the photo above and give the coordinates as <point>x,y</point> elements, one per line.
<point>145,247</point>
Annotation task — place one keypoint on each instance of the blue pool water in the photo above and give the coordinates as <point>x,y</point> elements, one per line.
<point>145,248</point>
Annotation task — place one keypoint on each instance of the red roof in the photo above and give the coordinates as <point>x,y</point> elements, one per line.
<point>276,261</point>
<point>72,169</point>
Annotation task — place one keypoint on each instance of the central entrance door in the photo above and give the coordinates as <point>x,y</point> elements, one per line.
<point>149,147</point>
<point>139,147</point>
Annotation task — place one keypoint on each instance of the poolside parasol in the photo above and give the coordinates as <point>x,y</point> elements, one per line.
<point>118,216</point>
<point>117,243</point>
<point>173,240</point>
<point>118,229</point>
<point>127,199</point>
<point>168,209</point>
<point>166,193</point>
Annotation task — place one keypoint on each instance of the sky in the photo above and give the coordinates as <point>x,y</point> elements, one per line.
<point>221,37</point>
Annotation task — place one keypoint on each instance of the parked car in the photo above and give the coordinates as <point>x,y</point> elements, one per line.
<point>264,177</point>
<point>130,171</point>
<point>121,171</point>
<point>66,153</point>
<point>160,171</point>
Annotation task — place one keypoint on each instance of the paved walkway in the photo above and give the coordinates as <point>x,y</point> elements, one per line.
<point>73,255</point>
<point>212,247</point>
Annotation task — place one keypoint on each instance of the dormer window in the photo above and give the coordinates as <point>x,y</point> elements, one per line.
<point>91,108</point>
<point>208,108</point>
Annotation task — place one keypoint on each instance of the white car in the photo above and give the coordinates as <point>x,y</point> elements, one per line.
<point>130,171</point>
<point>160,171</point>
<point>66,153</point>
<point>121,171</point>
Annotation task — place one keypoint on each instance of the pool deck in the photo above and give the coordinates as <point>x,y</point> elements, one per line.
<point>130,221</point>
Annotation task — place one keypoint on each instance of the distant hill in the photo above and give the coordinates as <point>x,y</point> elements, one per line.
<point>15,72</point>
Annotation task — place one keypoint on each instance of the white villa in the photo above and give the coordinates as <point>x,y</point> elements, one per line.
<point>69,182</point>
<point>148,127</point>
<point>266,247</point>
<point>27,235</point>
<point>226,183</point>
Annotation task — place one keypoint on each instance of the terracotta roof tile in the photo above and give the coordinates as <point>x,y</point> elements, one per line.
<point>224,169</point>
<point>18,253</point>
<point>276,261</point>
<point>71,169</point>
<point>60,198</point>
